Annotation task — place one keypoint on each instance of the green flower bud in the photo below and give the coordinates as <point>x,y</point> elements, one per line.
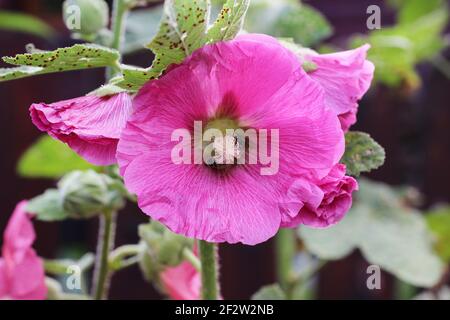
<point>86,194</point>
<point>86,17</point>
<point>163,248</point>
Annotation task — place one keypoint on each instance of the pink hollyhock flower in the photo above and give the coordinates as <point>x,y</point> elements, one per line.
<point>182,282</point>
<point>326,201</point>
<point>345,76</point>
<point>21,270</point>
<point>90,125</point>
<point>244,83</point>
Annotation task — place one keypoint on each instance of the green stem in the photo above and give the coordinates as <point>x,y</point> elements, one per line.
<point>124,256</point>
<point>285,253</point>
<point>208,258</point>
<point>119,15</point>
<point>105,243</point>
<point>192,258</point>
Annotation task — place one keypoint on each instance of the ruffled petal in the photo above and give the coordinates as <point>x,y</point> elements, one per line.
<point>90,125</point>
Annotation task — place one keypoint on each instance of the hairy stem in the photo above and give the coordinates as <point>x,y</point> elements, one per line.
<point>208,258</point>
<point>285,253</point>
<point>105,244</point>
<point>119,15</point>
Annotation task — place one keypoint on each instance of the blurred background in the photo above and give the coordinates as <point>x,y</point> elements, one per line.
<point>407,111</point>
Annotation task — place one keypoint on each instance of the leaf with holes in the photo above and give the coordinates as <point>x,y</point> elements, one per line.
<point>79,56</point>
<point>362,153</point>
<point>229,22</point>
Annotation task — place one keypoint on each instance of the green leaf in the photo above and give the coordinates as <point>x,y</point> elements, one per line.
<point>362,153</point>
<point>79,56</point>
<point>136,37</point>
<point>388,234</point>
<point>49,158</point>
<point>289,19</point>
<point>229,21</point>
<point>14,21</point>
<point>183,29</point>
<point>412,10</point>
<point>270,292</point>
<point>439,223</point>
<point>48,206</point>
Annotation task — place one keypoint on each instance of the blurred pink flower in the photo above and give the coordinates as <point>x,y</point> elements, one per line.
<point>90,125</point>
<point>253,84</point>
<point>326,201</point>
<point>182,282</point>
<point>21,270</point>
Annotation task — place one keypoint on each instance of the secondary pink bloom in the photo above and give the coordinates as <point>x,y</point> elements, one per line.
<point>252,84</point>
<point>182,282</point>
<point>21,270</point>
<point>325,202</point>
<point>90,125</point>
<point>345,76</point>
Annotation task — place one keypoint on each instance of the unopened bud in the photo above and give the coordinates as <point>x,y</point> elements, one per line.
<point>86,17</point>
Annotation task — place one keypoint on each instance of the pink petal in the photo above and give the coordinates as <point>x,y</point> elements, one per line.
<point>90,125</point>
<point>345,76</point>
<point>182,282</point>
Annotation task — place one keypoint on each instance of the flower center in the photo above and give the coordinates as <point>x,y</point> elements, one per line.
<point>221,146</point>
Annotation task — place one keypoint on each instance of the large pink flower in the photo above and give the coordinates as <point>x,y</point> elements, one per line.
<point>325,202</point>
<point>250,84</point>
<point>345,76</point>
<point>182,282</point>
<point>21,270</point>
<point>90,125</point>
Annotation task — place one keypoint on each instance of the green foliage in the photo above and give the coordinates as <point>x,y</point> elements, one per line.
<point>79,195</point>
<point>439,223</point>
<point>19,22</point>
<point>79,56</point>
<point>415,38</point>
<point>183,29</point>
<point>229,21</point>
<point>135,35</point>
<point>49,158</point>
<point>94,15</point>
<point>288,18</point>
<point>362,153</point>
<point>48,206</point>
<point>270,292</point>
<point>388,234</point>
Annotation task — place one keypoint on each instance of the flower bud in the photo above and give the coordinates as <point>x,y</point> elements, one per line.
<point>86,17</point>
<point>163,248</point>
<point>86,194</point>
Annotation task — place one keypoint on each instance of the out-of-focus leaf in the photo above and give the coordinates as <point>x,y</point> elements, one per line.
<point>388,234</point>
<point>439,223</point>
<point>79,56</point>
<point>270,292</point>
<point>49,158</point>
<point>362,153</point>
<point>442,294</point>
<point>48,206</point>
<point>411,10</point>
<point>142,26</point>
<point>14,21</point>
<point>229,21</point>
<point>289,19</point>
<point>397,50</point>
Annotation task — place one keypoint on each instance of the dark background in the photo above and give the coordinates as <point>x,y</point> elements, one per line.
<point>413,128</point>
